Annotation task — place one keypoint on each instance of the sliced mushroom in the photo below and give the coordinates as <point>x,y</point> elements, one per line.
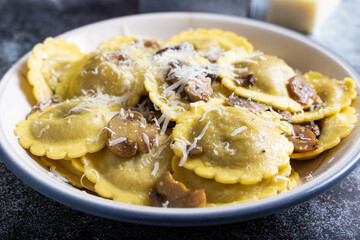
<point>198,90</point>
<point>254,107</point>
<point>147,109</point>
<point>151,114</point>
<point>170,75</point>
<point>285,115</point>
<point>213,54</point>
<point>317,102</point>
<point>128,133</point>
<point>197,150</point>
<point>174,194</point>
<point>304,139</point>
<point>117,58</point>
<point>211,73</point>
<point>194,89</point>
<point>162,50</point>
<point>313,127</point>
<point>300,90</point>
<point>213,77</point>
<point>151,44</point>
<point>244,80</point>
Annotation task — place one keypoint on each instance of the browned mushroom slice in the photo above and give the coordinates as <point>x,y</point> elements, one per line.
<point>147,109</point>
<point>198,149</point>
<point>213,54</point>
<point>300,90</point>
<point>254,107</point>
<point>128,133</point>
<point>213,77</point>
<point>151,44</point>
<point>212,74</point>
<point>171,193</point>
<point>117,58</point>
<point>170,75</point>
<point>162,50</point>
<point>198,90</point>
<point>304,139</point>
<point>285,115</point>
<point>314,128</point>
<point>317,102</point>
<point>195,89</point>
<point>244,80</point>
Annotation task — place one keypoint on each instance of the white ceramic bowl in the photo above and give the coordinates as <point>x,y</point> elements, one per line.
<point>297,50</point>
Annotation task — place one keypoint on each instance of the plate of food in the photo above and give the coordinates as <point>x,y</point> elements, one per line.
<point>180,119</point>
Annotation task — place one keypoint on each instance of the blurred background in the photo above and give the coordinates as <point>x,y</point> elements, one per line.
<point>26,214</point>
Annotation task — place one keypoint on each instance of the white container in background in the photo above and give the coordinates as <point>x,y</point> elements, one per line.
<point>301,15</point>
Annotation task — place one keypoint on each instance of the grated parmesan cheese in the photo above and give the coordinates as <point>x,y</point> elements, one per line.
<point>227,148</point>
<point>116,141</point>
<point>165,204</point>
<point>192,146</point>
<point>156,168</point>
<point>58,175</point>
<point>82,177</point>
<point>98,136</point>
<point>239,130</point>
<point>43,130</point>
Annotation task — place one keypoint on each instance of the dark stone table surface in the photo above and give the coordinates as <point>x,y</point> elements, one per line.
<point>26,214</point>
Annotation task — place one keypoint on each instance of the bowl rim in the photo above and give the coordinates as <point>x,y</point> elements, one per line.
<point>182,217</point>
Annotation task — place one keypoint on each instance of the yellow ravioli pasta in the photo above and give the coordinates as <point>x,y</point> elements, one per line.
<point>68,129</point>
<point>66,170</point>
<point>211,43</point>
<point>77,164</point>
<point>238,146</point>
<point>271,76</point>
<point>117,43</point>
<point>335,95</point>
<point>118,73</point>
<point>333,129</point>
<point>165,95</point>
<point>145,47</point>
<point>47,62</point>
<point>221,111</point>
<point>220,90</point>
<point>128,180</point>
<point>218,194</point>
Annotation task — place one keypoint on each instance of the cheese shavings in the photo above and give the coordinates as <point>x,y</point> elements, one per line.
<point>193,145</point>
<point>116,141</point>
<point>156,168</point>
<point>238,130</point>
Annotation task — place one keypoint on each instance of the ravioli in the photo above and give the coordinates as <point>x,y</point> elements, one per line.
<point>47,62</point>
<point>68,129</point>
<point>211,43</point>
<point>218,194</point>
<point>238,146</point>
<point>333,129</point>
<point>168,97</point>
<point>117,43</point>
<point>214,111</point>
<point>128,180</point>
<point>66,170</point>
<point>220,90</point>
<point>271,75</point>
<point>77,164</point>
<point>335,95</point>
<point>144,46</point>
<point>118,73</point>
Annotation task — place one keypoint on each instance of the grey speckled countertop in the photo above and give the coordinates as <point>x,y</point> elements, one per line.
<point>26,214</point>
